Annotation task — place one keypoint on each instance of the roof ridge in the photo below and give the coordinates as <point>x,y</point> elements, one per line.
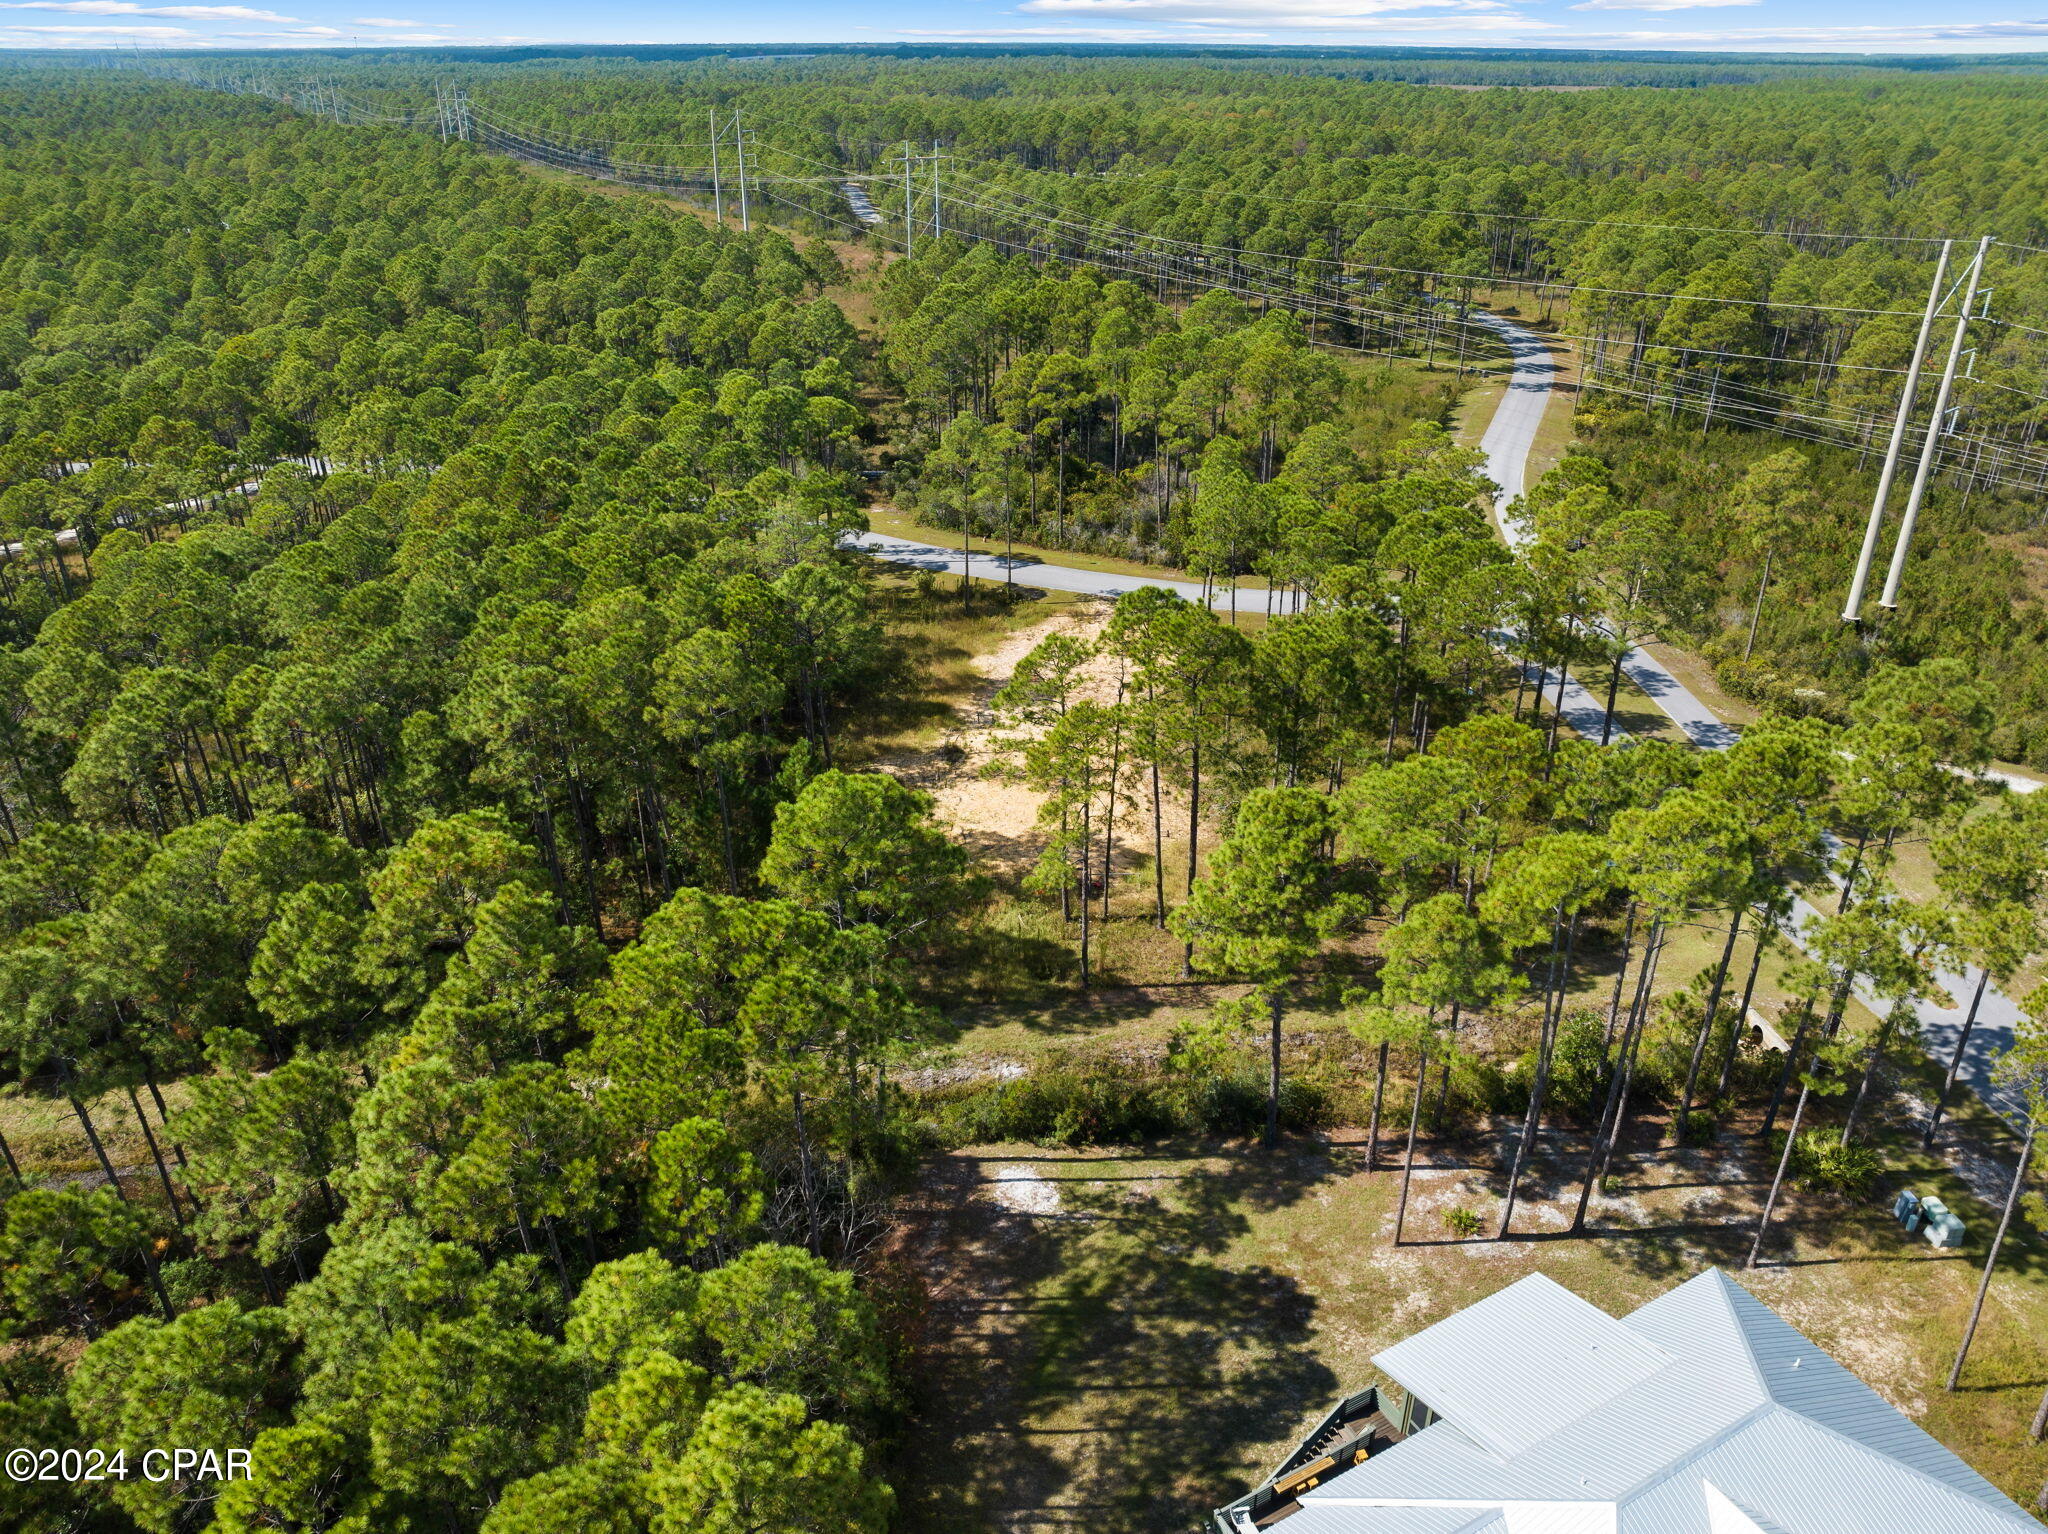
<point>1828,1360</point>
<point>2004,1504</point>
<point>1713,1441</point>
<point>1726,1290</point>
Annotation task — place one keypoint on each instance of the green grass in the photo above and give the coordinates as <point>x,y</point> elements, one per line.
<point>1151,1346</point>
<point>1149,1349</point>
<point>50,1146</point>
<point>934,640</point>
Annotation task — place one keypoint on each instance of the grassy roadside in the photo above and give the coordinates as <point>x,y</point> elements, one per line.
<point>888,519</point>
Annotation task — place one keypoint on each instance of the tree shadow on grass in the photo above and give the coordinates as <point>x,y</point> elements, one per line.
<point>901,698</point>
<point>1161,1364</point>
<point>1111,1371</point>
<point>1032,983</point>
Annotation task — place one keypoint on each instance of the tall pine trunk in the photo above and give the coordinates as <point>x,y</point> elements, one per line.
<point>1955,1065</point>
<point>1763,1220</point>
<point>2012,1198</point>
<point>1274,1002</point>
<point>1379,1092</point>
<point>1408,1161</point>
<point>1706,1031</point>
<point>1741,1021</point>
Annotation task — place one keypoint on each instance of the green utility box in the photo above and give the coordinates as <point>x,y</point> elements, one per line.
<point>1940,1227</point>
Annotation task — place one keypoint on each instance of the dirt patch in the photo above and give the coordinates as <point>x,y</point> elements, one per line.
<point>1021,1190</point>
<point>924,1078</point>
<point>995,816</point>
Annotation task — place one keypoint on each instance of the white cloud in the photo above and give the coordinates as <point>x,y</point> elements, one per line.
<point>87,36</point>
<point>1509,23</point>
<point>1658,5</point>
<point>97,35</point>
<point>128,8</point>
<point>1847,38</point>
<point>387,21</point>
<point>1265,12</point>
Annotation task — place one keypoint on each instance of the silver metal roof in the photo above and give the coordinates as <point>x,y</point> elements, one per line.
<point>1488,1366</point>
<point>1702,1412</point>
<point>1392,1520</point>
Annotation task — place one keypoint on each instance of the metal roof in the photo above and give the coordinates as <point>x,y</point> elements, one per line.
<point>1703,1412</point>
<point>1802,1378</point>
<point>1392,1520</point>
<point>1534,1341</point>
<point>1788,1474</point>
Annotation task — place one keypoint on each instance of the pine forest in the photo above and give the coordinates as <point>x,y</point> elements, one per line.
<point>894,789</point>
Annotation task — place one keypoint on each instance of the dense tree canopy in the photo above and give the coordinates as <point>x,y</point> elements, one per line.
<point>438,789</point>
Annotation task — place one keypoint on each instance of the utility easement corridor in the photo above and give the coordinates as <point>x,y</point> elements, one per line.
<point>1509,439</point>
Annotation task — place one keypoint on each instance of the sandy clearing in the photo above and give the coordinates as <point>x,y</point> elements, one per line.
<point>996,816</point>
<point>1022,1190</point>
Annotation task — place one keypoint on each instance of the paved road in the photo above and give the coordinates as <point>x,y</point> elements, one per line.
<point>1511,434</point>
<point>1037,570</point>
<point>1510,438</point>
<point>1507,442</point>
<point>66,537</point>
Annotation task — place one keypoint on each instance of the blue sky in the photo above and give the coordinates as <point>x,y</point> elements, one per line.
<point>1878,26</point>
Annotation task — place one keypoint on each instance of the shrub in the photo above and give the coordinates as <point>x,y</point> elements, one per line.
<point>1699,1128</point>
<point>1820,1160</point>
<point>1462,1222</point>
<point>1479,1087</point>
<point>1068,1100</point>
<point>1578,1074</point>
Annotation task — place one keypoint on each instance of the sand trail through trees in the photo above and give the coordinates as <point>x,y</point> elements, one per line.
<point>993,814</point>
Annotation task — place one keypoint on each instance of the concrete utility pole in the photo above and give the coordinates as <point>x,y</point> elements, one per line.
<point>1852,610</point>
<point>717,192</point>
<point>937,228</point>
<point>1936,426</point>
<point>909,202</point>
<point>739,139</point>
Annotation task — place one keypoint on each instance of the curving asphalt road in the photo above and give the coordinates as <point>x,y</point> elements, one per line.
<point>1039,570</point>
<point>1510,438</point>
<point>1511,435</point>
<point>66,537</point>
<point>1507,443</point>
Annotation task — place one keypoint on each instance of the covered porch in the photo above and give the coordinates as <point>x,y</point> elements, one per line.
<point>1358,1427</point>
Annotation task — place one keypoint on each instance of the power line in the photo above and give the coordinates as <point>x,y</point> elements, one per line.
<point>1291,199</point>
<point>1556,286</point>
<point>1530,282</point>
<point>1300,282</point>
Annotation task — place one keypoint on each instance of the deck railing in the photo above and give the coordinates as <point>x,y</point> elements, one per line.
<point>1241,1516</point>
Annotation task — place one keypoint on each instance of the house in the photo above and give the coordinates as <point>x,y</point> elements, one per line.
<point>1534,1412</point>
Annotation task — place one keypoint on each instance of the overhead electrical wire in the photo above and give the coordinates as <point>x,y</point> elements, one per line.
<point>1562,284</point>
<point>1545,218</point>
<point>1282,274</point>
<point>1343,304</point>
